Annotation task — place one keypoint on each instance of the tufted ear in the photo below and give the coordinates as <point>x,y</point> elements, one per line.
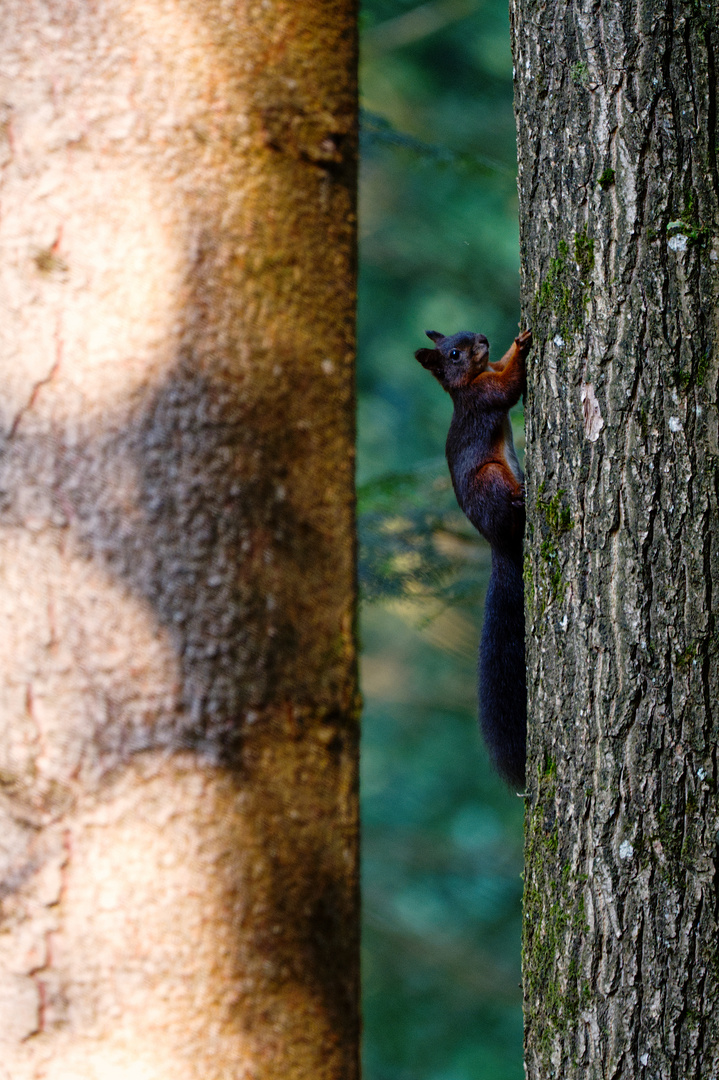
<point>434,335</point>
<point>429,358</point>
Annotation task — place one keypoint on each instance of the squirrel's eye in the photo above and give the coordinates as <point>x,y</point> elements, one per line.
<point>454,355</point>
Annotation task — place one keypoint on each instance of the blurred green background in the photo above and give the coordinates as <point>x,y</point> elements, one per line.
<point>442,839</point>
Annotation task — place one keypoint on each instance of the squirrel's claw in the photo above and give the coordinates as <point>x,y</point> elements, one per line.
<point>524,342</point>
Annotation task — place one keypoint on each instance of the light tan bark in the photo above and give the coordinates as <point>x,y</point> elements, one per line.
<point>177,679</point>
<point>619,190</point>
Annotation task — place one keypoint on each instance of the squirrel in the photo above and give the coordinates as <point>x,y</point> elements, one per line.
<point>489,485</point>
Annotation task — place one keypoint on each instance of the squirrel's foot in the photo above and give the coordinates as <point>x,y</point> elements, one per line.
<point>518,499</point>
<point>524,342</point>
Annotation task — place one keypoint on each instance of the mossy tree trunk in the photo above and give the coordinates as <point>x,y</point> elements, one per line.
<point>619,203</point>
<point>178,768</point>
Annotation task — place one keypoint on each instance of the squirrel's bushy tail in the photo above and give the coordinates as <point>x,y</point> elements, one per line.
<point>502,677</point>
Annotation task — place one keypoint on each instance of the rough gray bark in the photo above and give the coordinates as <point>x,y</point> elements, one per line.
<point>178,762</point>
<point>619,201</point>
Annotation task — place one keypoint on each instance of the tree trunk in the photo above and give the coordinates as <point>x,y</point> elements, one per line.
<point>619,202</point>
<point>178,772</point>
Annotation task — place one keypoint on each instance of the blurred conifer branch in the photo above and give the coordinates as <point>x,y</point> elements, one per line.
<point>377,130</point>
<point>415,544</point>
<point>413,25</point>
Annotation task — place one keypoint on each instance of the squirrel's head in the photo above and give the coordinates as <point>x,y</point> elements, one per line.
<point>457,360</point>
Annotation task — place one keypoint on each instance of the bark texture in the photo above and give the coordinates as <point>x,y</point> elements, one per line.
<point>178,707</point>
<point>619,194</point>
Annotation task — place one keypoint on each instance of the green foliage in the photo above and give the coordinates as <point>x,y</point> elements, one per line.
<point>441,834</point>
<point>438,224</point>
<point>415,543</point>
<point>441,861</point>
<point>377,131</point>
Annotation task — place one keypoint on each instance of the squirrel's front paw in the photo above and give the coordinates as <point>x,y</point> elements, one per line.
<point>524,342</point>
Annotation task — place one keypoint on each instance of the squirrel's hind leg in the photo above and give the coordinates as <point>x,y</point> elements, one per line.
<point>497,505</point>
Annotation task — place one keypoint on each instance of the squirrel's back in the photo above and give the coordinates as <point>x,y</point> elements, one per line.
<point>471,446</point>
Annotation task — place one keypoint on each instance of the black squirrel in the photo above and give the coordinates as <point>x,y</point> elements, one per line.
<point>489,485</point>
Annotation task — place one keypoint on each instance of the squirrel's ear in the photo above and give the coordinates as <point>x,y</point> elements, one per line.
<point>434,335</point>
<point>429,358</point>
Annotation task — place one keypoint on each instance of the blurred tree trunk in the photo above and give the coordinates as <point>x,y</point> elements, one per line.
<point>619,192</point>
<point>178,771</point>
